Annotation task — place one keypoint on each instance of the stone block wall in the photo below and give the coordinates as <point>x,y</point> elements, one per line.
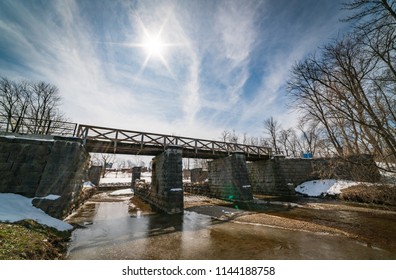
<point>280,176</point>
<point>166,192</point>
<point>136,173</point>
<point>39,167</point>
<point>228,178</point>
<point>94,174</point>
<point>21,165</point>
<point>201,188</point>
<point>198,175</point>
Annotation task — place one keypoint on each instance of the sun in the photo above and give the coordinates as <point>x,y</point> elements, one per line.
<point>154,46</point>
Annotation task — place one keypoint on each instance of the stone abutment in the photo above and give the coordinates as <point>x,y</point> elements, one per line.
<point>228,178</point>
<point>38,167</point>
<point>166,191</point>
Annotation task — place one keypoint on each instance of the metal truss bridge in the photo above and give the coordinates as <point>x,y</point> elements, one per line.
<point>120,141</point>
<point>109,140</point>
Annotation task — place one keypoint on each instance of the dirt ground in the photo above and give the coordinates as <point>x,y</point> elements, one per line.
<point>371,194</point>
<point>372,222</point>
<point>210,206</point>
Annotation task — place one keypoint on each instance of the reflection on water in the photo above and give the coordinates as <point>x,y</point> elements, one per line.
<point>112,233</point>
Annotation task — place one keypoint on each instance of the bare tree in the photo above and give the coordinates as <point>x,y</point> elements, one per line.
<point>376,31</point>
<point>44,109</point>
<point>308,94</point>
<point>28,107</point>
<point>234,137</point>
<point>369,15</point>
<point>284,140</point>
<point>348,90</point>
<point>272,128</point>
<point>225,135</point>
<point>229,136</point>
<point>105,160</point>
<point>14,101</point>
<point>254,141</point>
<point>338,91</point>
<point>289,142</point>
<point>310,136</point>
<point>201,163</point>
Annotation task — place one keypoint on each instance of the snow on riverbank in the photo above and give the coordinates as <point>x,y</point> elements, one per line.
<point>15,207</point>
<point>122,192</point>
<point>324,187</point>
<point>119,177</point>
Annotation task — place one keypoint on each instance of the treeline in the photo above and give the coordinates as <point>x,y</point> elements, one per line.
<point>291,142</point>
<point>30,107</point>
<point>347,90</point>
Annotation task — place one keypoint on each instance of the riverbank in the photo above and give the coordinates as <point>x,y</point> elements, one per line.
<point>269,228</point>
<point>363,222</point>
<point>29,240</point>
<point>374,194</point>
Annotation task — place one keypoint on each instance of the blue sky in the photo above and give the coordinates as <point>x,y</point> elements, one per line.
<point>218,65</point>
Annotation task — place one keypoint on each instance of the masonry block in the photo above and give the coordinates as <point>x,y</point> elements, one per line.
<point>37,168</point>
<point>228,178</point>
<point>166,192</point>
<point>198,175</point>
<point>136,172</point>
<point>5,166</point>
<point>94,174</point>
<point>4,156</point>
<point>280,176</point>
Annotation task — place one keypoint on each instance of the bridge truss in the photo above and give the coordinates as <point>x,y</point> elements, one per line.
<point>119,141</point>
<point>109,140</point>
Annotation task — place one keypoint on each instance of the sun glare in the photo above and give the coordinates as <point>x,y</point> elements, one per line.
<point>154,46</point>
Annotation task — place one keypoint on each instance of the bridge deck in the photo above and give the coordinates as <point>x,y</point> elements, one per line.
<point>109,140</point>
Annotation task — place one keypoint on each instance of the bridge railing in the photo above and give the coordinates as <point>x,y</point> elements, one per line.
<point>25,125</point>
<point>114,136</point>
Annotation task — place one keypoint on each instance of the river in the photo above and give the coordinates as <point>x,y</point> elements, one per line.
<point>109,229</point>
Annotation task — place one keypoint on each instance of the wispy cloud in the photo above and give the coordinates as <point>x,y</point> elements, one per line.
<point>56,47</point>
<point>289,36</point>
<point>224,67</point>
<point>234,34</point>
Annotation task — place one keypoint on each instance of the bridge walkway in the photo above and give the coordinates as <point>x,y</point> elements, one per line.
<point>99,139</point>
<point>119,141</point>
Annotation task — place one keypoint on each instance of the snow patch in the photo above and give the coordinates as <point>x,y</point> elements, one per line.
<point>88,185</point>
<point>15,207</point>
<point>39,138</point>
<point>50,197</point>
<point>119,177</point>
<point>122,192</point>
<point>324,187</point>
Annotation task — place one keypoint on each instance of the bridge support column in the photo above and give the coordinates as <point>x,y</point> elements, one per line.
<point>136,172</point>
<point>166,191</point>
<point>228,178</point>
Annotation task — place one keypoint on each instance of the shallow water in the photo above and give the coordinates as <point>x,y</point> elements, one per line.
<point>111,232</point>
